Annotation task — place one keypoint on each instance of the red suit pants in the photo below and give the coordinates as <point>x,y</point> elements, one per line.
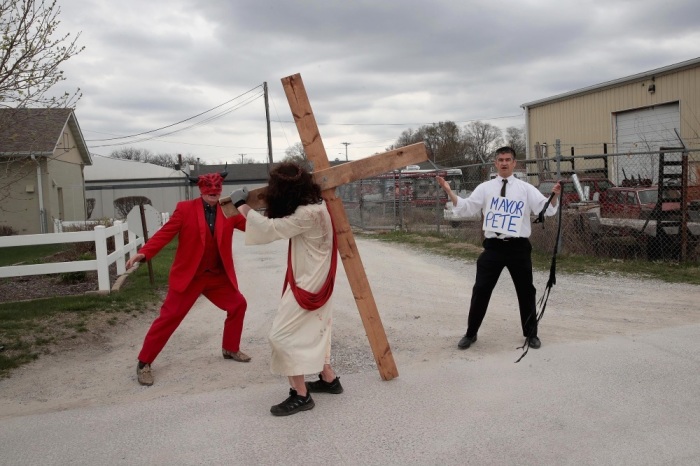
<point>215,287</point>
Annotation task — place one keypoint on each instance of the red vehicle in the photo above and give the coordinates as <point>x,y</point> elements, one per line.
<point>633,202</point>
<point>638,202</point>
<point>568,192</point>
<point>411,186</point>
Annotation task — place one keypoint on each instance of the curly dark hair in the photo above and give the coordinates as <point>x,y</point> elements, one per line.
<point>290,185</point>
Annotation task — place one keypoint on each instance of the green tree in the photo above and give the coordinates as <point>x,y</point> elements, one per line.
<point>31,54</point>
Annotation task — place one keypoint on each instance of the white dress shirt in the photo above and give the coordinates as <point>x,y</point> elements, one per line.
<point>517,190</point>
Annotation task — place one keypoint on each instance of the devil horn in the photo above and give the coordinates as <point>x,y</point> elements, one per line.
<point>192,179</point>
<point>224,173</point>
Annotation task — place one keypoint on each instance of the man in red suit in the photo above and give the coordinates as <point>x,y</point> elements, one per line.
<point>203,265</point>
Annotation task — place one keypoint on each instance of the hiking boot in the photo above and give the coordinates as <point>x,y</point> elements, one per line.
<point>321,386</point>
<point>293,404</point>
<point>143,373</point>
<point>239,356</point>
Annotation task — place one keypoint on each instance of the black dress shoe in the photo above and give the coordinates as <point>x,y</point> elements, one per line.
<point>534,342</point>
<point>466,342</point>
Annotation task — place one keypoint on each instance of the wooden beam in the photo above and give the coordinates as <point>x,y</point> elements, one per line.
<point>339,175</point>
<point>330,178</point>
<point>316,153</point>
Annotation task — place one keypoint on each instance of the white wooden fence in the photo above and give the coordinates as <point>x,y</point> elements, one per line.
<point>101,264</point>
<point>59,225</point>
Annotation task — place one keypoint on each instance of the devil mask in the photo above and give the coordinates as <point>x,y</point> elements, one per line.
<point>210,184</point>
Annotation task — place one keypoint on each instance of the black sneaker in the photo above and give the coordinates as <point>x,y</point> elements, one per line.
<point>534,342</point>
<point>321,386</point>
<point>293,404</point>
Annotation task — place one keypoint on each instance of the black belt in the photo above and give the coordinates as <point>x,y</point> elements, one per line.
<point>512,238</point>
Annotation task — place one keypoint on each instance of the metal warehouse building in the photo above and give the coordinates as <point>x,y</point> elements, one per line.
<point>636,114</point>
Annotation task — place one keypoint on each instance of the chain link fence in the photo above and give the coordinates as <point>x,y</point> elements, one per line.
<point>643,206</point>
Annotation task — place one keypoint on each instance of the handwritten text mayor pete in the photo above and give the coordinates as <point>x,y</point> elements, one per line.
<point>504,216</point>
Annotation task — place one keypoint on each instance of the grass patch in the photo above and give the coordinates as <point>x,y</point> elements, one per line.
<point>29,254</point>
<point>31,328</point>
<point>670,272</point>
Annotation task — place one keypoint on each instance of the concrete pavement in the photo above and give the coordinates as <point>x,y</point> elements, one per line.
<point>622,400</point>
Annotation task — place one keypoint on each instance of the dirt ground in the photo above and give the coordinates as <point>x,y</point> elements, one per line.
<point>422,300</point>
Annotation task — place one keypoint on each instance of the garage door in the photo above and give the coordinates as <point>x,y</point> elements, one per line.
<point>644,130</point>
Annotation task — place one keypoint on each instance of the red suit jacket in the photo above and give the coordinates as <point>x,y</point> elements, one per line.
<point>188,221</point>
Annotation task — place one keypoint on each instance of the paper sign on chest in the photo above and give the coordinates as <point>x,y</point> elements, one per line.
<point>504,216</point>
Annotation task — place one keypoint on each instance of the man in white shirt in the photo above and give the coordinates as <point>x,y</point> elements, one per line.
<point>506,204</point>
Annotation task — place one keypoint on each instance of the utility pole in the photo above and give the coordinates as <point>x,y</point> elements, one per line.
<point>269,134</point>
<point>346,144</point>
<point>242,155</point>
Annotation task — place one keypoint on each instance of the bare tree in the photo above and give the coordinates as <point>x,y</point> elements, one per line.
<point>444,141</point>
<point>407,137</point>
<point>482,140</point>
<point>30,55</point>
<point>515,138</point>
<point>296,153</point>
<point>162,159</point>
<point>172,160</point>
<point>243,159</point>
<point>30,58</point>
<point>131,153</point>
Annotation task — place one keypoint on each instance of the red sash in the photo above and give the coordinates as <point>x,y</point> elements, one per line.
<point>305,299</point>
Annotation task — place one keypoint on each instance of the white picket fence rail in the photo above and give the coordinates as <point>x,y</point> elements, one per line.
<point>100,264</point>
<point>59,225</point>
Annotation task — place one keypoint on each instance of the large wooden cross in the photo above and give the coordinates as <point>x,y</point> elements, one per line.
<point>330,178</point>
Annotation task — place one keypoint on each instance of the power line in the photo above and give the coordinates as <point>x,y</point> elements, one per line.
<point>173,124</point>
<point>203,122</point>
<point>409,124</point>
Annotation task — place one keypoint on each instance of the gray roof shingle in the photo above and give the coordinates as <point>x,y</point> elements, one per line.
<point>38,130</point>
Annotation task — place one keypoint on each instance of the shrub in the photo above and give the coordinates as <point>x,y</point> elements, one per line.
<point>7,230</point>
<point>76,250</point>
<point>73,277</point>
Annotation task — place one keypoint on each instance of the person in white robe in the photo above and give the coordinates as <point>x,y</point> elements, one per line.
<point>300,336</point>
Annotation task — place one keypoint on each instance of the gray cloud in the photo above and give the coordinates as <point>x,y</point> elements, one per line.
<point>394,64</point>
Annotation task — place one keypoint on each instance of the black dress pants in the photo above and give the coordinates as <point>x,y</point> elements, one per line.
<point>513,254</point>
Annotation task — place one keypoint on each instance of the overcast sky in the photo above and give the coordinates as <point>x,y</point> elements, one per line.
<point>372,69</point>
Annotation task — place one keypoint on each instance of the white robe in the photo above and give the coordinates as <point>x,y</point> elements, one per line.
<point>300,339</point>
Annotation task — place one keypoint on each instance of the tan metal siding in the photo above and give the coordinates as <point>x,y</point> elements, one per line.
<point>586,122</point>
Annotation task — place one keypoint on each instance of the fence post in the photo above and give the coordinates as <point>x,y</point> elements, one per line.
<point>132,244</point>
<point>119,246</point>
<point>101,253</point>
